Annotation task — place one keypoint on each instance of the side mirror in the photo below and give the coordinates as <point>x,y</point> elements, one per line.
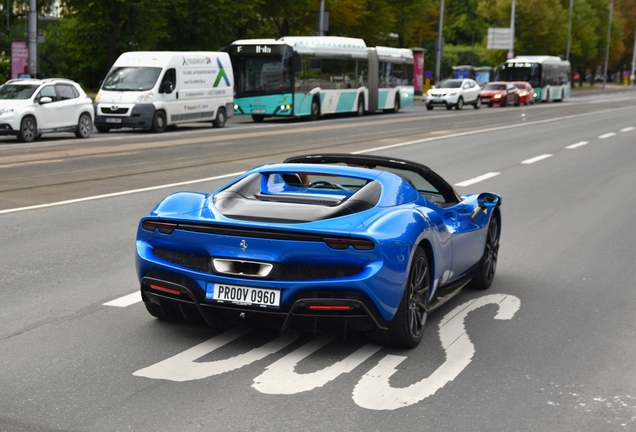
<point>485,200</point>
<point>45,100</point>
<point>165,87</point>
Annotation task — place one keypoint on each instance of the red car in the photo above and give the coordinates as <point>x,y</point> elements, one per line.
<point>500,93</point>
<point>526,92</point>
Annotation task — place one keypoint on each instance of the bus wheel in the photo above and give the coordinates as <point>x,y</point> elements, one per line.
<point>258,118</point>
<point>221,118</point>
<point>396,106</point>
<point>360,111</point>
<point>315,110</point>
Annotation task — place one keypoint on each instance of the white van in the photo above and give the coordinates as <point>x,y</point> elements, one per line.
<point>152,90</point>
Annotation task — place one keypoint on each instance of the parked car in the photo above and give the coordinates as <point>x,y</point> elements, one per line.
<point>526,92</point>
<point>500,93</point>
<point>319,243</point>
<point>30,107</point>
<point>454,93</point>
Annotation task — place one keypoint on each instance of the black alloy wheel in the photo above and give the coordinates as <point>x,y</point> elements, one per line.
<point>485,272</point>
<point>407,327</point>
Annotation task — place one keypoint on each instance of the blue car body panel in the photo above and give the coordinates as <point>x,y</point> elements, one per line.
<point>399,220</point>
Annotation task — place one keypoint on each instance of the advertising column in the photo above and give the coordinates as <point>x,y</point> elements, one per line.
<point>19,59</point>
<point>418,70</point>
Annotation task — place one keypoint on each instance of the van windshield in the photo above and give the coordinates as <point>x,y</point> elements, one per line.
<point>131,78</point>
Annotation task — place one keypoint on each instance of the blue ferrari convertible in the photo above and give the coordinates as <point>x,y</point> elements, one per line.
<point>321,243</point>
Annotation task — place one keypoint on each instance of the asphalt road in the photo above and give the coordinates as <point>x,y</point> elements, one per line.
<point>550,346</point>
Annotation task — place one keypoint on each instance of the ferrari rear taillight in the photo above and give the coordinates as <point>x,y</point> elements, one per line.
<point>163,227</point>
<point>344,243</point>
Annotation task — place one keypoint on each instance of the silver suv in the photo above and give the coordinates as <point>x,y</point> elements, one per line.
<point>31,107</point>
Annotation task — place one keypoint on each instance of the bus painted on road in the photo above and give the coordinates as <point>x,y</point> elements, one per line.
<point>297,76</point>
<point>549,75</point>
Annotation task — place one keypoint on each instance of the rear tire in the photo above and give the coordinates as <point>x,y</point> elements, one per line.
<point>407,327</point>
<point>221,118</point>
<point>518,101</point>
<point>84,126</point>
<point>360,111</point>
<point>396,106</point>
<point>485,271</point>
<point>315,110</point>
<point>477,103</point>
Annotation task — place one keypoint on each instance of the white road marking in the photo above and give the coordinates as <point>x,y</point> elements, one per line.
<point>461,134</point>
<point>115,194</point>
<point>607,135</point>
<point>577,145</point>
<point>536,159</point>
<point>280,377</point>
<point>627,129</point>
<point>126,300</point>
<point>374,390</point>
<point>477,179</point>
<point>183,367</point>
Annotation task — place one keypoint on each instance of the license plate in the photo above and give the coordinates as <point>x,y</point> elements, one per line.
<point>240,295</point>
<point>113,120</point>
<point>258,111</point>
<point>485,99</point>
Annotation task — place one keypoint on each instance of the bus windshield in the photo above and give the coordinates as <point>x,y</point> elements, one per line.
<point>131,78</point>
<point>530,72</point>
<point>259,74</point>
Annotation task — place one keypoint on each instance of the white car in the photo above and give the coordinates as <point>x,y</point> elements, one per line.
<point>31,107</point>
<point>454,93</point>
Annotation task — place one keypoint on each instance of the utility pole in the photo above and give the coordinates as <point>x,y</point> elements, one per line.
<point>609,33</point>
<point>33,38</point>
<point>321,19</point>
<point>511,52</point>
<point>438,59</point>
<point>567,49</point>
<point>633,76</point>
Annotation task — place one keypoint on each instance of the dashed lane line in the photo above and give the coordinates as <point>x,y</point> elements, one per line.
<point>577,145</point>
<point>536,159</point>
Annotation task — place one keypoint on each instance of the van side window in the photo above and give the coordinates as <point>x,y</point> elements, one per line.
<point>171,76</point>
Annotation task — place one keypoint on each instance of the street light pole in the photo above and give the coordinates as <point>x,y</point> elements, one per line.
<point>633,76</point>
<point>567,49</point>
<point>609,33</point>
<point>511,52</point>
<point>438,59</point>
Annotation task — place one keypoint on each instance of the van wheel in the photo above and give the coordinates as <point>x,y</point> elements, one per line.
<point>158,122</point>
<point>84,126</point>
<point>221,118</point>
<point>28,130</point>
<point>102,129</point>
<point>315,110</point>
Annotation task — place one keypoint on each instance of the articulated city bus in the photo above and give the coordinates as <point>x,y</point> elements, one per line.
<point>298,76</point>
<point>549,75</point>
